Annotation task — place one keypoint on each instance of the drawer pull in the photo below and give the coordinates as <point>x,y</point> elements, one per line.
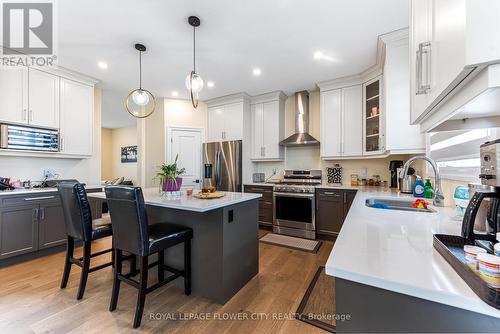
<point>38,198</point>
<point>331,194</point>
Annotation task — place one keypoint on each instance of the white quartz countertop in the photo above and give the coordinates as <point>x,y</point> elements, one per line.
<point>152,197</point>
<point>393,250</point>
<point>40,190</point>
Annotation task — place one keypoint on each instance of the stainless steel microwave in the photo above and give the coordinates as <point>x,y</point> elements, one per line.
<point>16,137</point>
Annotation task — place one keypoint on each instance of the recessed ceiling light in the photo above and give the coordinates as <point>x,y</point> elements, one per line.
<point>102,65</point>
<point>175,93</point>
<point>210,84</point>
<point>318,55</point>
<point>256,71</point>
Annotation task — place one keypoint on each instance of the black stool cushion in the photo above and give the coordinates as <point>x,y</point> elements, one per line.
<point>164,235</point>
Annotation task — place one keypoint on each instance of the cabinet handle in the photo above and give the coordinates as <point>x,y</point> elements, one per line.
<point>61,148</point>
<point>31,115</point>
<point>38,198</point>
<point>331,194</point>
<point>25,116</point>
<point>35,214</point>
<point>261,190</point>
<point>423,48</point>
<point>42,213</point>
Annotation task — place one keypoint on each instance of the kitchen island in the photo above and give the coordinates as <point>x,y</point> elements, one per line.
<point>389,277</point>
<point>225,245</point>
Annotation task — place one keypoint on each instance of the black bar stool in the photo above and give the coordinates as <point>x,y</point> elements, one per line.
<point>80,226</point>
<point>132,233</point>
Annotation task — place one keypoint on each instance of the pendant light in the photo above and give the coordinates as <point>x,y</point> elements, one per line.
<point>194,82</point>
<point>140,103</point>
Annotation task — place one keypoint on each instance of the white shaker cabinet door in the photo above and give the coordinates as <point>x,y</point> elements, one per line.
<point>352,120</point>
<point>233,117</point>
<point>271,130</point>
<point>43,99</point>
<point>215,124</point>
<point>77,118</point>
<point>14,94</point>
<point>331,127</point>
<point>257,111</point>
<point>420,57</point>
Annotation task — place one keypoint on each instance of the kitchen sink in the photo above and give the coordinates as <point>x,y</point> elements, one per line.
<point>394,204</point>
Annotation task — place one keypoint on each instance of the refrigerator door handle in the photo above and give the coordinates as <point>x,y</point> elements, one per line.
<point>217,169</point>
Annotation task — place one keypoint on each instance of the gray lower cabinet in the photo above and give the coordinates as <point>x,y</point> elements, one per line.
<point>332,207</point>
<point>52,231</point>
<point>18,230</point>
<point>30,223</point>
<point>266,206</point>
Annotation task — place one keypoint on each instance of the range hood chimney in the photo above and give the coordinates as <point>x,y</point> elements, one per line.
<point>301,137</point>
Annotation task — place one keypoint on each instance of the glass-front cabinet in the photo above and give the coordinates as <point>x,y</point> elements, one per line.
<point>373,130</point>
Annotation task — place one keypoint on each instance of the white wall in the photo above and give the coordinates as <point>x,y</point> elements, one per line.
<point>87,170</point>
<point>114,114</point>
<point>113,141</point>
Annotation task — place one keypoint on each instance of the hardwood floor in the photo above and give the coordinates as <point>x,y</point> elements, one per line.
<point>31,301</point>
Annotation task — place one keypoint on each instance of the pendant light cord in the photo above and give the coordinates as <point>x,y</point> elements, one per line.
<point>194,49</point>
<point>140,70</point>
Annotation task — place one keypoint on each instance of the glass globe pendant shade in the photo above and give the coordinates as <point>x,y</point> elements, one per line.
<point>140,97</point>
<point>140,103</point>
<point>194,82</point>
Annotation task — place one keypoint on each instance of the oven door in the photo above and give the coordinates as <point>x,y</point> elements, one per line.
<point>294,210</point>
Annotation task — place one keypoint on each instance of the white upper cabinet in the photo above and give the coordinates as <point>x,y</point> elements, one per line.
<point>14,95</point>
<point>267,121</point>
<point>225,122</point>
<point>43,99</point>
<point>451,41</point>
<point>233,125</point>
<point>331,123</point>
<point>29,96</point>
<point>77,122</point>
<point>341,122</point>
<point>227,116</point>
<point>215,124</point>
<point>351,117</point>
<point>257,111</point>
<point>400,136</point>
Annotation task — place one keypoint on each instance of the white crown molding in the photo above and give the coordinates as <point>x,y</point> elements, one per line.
<point>233,98</point>
<point>272,96</point>
<point>69,74</point>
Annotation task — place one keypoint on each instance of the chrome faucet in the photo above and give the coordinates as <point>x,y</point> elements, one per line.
<point>438,195</point>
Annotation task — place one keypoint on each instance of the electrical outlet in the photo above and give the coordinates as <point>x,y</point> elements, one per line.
<point>274,171</point>
<point>49,174</point>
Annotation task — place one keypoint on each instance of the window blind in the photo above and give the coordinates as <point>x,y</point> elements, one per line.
<point>457,152</point>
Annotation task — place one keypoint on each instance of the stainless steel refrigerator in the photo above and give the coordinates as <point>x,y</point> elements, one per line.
<point>222,165</point>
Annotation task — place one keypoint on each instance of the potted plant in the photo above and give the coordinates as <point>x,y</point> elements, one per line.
<point>169,176</point>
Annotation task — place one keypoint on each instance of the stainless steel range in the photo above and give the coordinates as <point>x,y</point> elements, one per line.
<point>294,203</point>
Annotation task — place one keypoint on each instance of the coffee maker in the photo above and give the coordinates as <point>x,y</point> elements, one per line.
<point>393,167</point>
<point>490,177</point>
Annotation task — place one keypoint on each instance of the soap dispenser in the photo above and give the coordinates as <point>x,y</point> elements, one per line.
<point>419,188</point>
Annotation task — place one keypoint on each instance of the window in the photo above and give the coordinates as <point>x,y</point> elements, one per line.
<point>457,152</point>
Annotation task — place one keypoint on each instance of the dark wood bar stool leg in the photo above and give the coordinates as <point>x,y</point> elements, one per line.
<point>70,246</point>
<point>161,262</point>
<point>85,269</point>
<point>116,281</point>
<point>187,267</point>
<point>143,284</point>
<point>133,264</point>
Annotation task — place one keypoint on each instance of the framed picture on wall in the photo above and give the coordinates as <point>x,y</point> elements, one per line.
<point>129,154</point>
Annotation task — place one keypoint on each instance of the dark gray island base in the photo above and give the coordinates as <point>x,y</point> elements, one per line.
<point>372,309</point>
<point>225,247</point>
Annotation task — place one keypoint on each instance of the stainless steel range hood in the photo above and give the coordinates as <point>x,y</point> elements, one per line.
<point>301,137</point>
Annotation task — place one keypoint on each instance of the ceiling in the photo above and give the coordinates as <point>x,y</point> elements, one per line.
<point>280,37</point>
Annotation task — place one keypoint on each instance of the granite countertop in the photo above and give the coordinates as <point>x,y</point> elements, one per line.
<point>41,190</point>
<point>393,250</point>
<point>152,197</point>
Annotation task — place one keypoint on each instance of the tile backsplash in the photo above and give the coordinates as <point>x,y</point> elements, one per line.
<point>309,158</point>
